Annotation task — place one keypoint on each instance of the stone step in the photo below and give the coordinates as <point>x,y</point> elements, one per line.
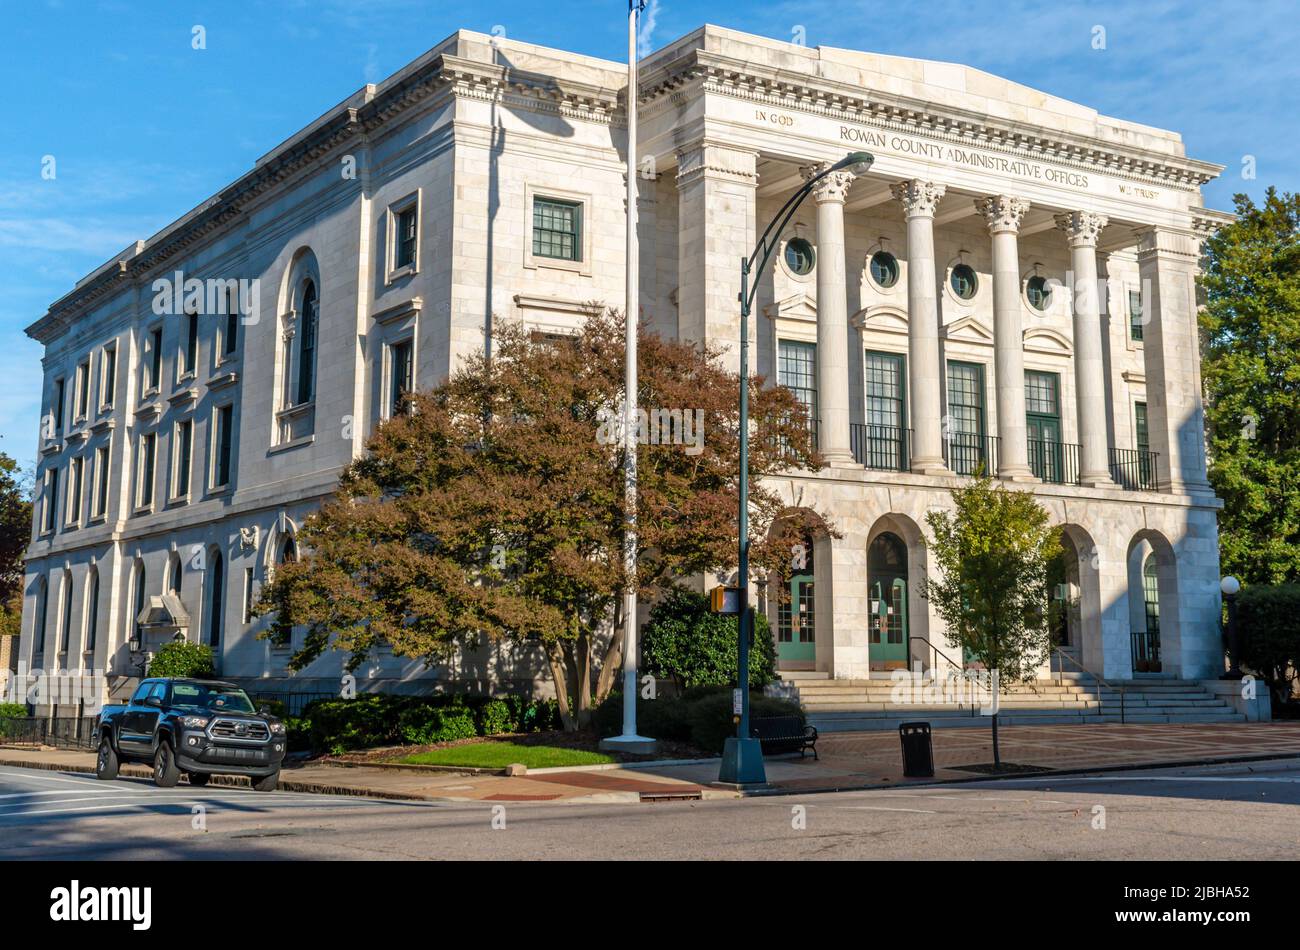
<point>849,723</point>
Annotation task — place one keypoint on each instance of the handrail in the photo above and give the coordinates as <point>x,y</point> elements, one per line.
<point>973,706</point>
<point>1061,654</point>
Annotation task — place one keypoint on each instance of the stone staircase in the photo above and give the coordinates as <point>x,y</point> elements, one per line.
<point>858,705</point>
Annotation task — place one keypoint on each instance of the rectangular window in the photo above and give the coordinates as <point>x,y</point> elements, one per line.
<point>60,387</point>
<point>557,229</point>
<point>83,389</point>
<point>108,377</point>
<point>1047,454</point>
<point>1135,315</point>
<point>51,501</point>
<point>1141,434</point>
<point>145,473</point>
<point>402,383</point>
<point>73,506</point>
<point>407,229</point>
<point>184,444</point>
<point>221,445</point>
<point>885,439</point>
<point>797,371</point>
<point>191,353</point>
<point>248,595</point>
<point>966,445</point>
<point>100,505</point>
<point>230,339</point>
<point>153,359</point>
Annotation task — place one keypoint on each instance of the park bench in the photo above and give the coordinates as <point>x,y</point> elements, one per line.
<point>784,734</point>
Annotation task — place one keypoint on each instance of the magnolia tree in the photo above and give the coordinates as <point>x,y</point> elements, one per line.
<point>994,555</point>
<point>493,508</point>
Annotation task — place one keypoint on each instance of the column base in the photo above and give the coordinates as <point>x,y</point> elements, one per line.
<point>840,458</point>
<point>742,763</point>
<point>633,745</point>
<point>930,467</point>
<point>1097,481</point>
<point>1020,476</point>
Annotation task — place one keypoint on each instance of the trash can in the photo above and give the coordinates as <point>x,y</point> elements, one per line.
<point>918,758</point>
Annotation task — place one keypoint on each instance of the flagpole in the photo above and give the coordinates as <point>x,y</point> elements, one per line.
<point>629,741</point>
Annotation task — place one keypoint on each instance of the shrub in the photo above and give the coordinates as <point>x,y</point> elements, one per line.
<point>1269,635</point>
<point>183,659</point>
<point>686,641</point>
<point>494,718</point>
<point>702,717</point>
<point>275,707</point>
<point>297,733</point>
<point>711,719</point>
<point>13,711</point>
<point>423,725</point>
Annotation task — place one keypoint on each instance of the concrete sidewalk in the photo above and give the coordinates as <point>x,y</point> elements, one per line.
<point>848,761</point>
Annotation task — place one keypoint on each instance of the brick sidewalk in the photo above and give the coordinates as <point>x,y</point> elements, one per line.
<point>848,760</point>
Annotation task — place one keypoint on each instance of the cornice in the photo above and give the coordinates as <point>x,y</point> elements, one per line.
<point>724,75</point>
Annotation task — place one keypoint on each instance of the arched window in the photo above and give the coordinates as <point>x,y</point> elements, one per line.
<point>65,637</point>
<point>40,620</point>
<point>887,575</point>
<point>174,572</point>
<point>92,610</point>
<point>216,599</point>
<point>288,551</point>
<point>306,333</point>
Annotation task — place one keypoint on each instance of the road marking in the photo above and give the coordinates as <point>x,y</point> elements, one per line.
<point>40,775</point>
<point>914,811</point>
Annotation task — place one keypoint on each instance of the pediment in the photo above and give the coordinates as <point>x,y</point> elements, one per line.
<point>968,330</point>
<point>1047,340</point>
<point>800,306</point>
<point>164,611</point>
<point>883,319</point>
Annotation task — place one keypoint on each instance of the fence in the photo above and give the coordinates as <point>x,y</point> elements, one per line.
<point>72,732</point>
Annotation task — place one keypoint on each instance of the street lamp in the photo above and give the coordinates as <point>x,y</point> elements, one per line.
<point>742,757</point>
<point>1230,587</point>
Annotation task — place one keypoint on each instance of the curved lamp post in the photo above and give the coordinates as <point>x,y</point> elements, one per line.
<point>742,757</point>
<point>1230,587</point>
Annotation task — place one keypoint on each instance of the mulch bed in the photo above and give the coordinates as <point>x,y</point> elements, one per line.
<point>587,741</point>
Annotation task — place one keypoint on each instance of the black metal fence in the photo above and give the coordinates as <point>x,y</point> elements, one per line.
<point>1134,469</point>
<point>1054,462</point>
<point>72,732</point>
<point>967,453</point>
<point>881,447</point>
<point>293,703</point>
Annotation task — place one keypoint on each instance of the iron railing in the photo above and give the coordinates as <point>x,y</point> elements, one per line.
<point>888,448</point>
<point>1134,469</point>
<point>968,453</point>
<point>70,732</point>
<point>293,703</point>
<point>1101,697</point>
<point>1054,462</point>
<point>1146,650</point>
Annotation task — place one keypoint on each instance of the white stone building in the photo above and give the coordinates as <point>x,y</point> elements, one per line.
<point>934,312</point>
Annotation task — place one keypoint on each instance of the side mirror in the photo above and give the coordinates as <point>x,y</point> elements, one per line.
<point>153,701</point>
<point>264,710</point>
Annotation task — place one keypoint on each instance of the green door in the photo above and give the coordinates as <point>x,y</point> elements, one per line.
<point>796,617</point>
<point>887,572</point>
<point>1043,426</point>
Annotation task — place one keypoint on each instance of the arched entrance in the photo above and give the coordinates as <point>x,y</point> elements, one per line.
<point>796,613</point>
<point>887,579</point>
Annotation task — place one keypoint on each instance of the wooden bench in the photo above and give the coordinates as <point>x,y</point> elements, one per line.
<point>784,734</point>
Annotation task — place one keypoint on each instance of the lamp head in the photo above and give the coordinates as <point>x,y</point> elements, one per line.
<point>1230,586</point>
<point>856,162</point>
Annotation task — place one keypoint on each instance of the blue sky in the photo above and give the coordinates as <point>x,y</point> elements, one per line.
<point>142,127</point>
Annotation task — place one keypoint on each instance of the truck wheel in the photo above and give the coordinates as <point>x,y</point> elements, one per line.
<point>199,778</point>
<point>106,763</point>
<point>165,772</point>
<point>266,783</point>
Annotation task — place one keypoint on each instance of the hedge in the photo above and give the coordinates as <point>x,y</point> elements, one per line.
<point>688,643</point>
<point>1269,634</point>
<point>180,658</point>
<point>701,717</point>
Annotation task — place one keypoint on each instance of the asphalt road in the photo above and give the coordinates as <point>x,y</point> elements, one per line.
<point>1229,812</point>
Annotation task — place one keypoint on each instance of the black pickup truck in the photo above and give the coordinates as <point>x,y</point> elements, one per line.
<point>196,727</point>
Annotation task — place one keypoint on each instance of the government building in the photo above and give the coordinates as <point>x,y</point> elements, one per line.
<point>1009,288</point>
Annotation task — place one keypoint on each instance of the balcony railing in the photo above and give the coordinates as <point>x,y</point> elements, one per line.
<point>888,448</point>
<point>1056,463</point>
<point>966,453</point>
<point>1134,469</point>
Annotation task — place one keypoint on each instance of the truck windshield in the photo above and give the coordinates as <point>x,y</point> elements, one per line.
<point>210,698</point>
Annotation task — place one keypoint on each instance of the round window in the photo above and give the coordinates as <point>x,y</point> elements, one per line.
<point>884,268</point>
<point>799,256</point>
<point>964,282</point>
<point>1039,293</point>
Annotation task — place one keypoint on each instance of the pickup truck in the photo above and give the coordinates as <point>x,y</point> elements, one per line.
<point>199,728</point>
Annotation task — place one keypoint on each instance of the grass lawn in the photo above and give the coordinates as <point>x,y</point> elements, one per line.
<point>496,755</point>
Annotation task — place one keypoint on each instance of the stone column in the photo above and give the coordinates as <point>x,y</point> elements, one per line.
<point>832,316</point>
<point>1083,228</point>
<point>716,212</point>
<point>1168,261</point>
<point>925,371</point>
<point>1003,214</point>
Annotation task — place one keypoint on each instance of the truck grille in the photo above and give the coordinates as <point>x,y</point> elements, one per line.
<point>246,729</point>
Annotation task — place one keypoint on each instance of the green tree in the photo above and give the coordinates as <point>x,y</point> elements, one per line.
<point>181,658</point>
<point>494,508</point>
<point>685,641</point>
<point>15,533</point>
<point>1251,371</point>
<point>993,556</point>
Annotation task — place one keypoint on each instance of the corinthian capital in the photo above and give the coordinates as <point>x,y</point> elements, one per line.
<point>918,198</point>
<point>1082,227</point>
<point>834,187</point>
<point>1002,212</point>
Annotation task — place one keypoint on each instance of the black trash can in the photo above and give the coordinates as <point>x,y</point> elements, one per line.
<point>918,757</point>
